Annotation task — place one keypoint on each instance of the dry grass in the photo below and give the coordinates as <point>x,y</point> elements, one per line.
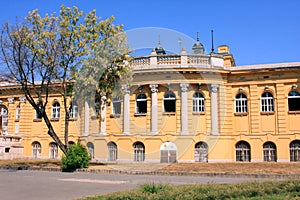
<point>36,163</point>
<point>236,168</point>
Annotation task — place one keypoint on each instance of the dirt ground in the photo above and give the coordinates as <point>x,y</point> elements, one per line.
<point>230,168</point>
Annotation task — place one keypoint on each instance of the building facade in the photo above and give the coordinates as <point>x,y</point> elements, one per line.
<point>179,108</point>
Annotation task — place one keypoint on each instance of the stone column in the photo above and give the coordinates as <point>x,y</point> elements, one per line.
<point>103,115</point>
<point>184,108</point>
<point>214,108</point>
<point>126,110</point>
<point>154,108</point>
<point>86,118</point>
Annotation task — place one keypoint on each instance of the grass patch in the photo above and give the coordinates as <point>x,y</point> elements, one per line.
<point>252,190</point>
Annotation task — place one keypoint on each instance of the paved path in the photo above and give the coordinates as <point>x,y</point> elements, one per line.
<point>36,185</point>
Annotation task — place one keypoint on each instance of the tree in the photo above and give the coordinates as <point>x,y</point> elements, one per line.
<point>46,54</point>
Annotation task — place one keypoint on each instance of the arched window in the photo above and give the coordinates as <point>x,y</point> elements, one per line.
<point>18,112</point>
<point>241,103</point>
<point>294,101</point>
<point>36,150</point>
<point>201,152</point>
<point>53,154</point>
<point>270,152</point>
<point>90,148</point>
<point>112,151</point>
<point>198,102</point>
<point>73,110</point>
<point>242,151</point>
<point>139,152</point>
<point>267,102</point>
<point>295,151</point>
<point>55,110</point>
<point>3,120</point>
<point>169,102</point>
<point>141,104</point>
<point>116,106</point>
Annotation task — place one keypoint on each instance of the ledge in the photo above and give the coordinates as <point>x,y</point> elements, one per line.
<point>115,115</point>
<point>267,113</point>
<point>72,119</point>
<point>241,114</point>
<point>37,120</point>
<point>140,114</point>
<point>198,113</point>
<point>169,113</point>
<point>54,119</point>
<point>294,112</point>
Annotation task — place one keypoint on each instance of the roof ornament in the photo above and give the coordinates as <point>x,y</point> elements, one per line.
<point>159,50</point>
<point>198,48</point>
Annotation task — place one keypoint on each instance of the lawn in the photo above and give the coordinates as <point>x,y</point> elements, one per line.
<point>254,190</point>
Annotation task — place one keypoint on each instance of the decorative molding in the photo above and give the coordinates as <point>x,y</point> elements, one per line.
<point>22,99</point>
<point>126,89</point>
<point>214,88</point>
<point>11,100</point>
<point>184,87</point>
<point>153,88</point>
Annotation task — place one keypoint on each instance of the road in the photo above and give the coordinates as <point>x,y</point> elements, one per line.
<point>37,185</point>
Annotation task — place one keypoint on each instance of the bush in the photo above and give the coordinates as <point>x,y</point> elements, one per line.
<point>77,157</point>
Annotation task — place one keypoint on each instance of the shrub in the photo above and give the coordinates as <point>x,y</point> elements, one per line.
<point>77,157</point>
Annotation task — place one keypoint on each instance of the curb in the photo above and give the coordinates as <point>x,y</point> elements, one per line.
<point>158,173</point>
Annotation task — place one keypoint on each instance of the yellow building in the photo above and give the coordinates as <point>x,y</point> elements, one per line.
<point>179,108</point>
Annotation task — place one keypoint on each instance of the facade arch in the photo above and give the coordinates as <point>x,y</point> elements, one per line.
<point>242,151</point>
<point>36,149</point>
<point>295,151</point>
<point>53,150</point>
<point>90,148</point>
<point>201,152</point>
<point>269,152</point>
<point>138,152</point>
<point>112,151</point>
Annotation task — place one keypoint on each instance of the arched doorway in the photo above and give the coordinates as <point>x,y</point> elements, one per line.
<point>112,151</point>
<point>201,152</point>
<point>168,152</point>
<point>139,152</point>
<point>242,151</point>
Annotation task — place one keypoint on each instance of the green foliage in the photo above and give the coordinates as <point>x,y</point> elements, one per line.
<point>252,190</point>
<point>77,157</point>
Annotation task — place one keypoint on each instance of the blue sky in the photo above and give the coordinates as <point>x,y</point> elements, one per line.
<point>257,31</point>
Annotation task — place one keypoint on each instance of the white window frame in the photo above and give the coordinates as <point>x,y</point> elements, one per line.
<point>36,150</point>
<point>73,110</point>
<point>55,110</point>
<point>140,98</point>
<point>267,102</point>
<point>198,102</point>
<point>53,150</point>
<point>116,100</point>
<point>241,103</point>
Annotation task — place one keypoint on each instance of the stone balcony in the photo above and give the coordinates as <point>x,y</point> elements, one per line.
<point>165,61</point>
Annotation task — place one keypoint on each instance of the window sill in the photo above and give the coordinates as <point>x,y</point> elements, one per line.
<point>72,119</point>
<point>54,119</point>
<point>294,112</point>
<point>198,113</point>
<point>115,115</point>
<point>169,113</point>
<point>267,113</point>
<point>37,120</point>
<point>17,120</point>
<point>241,114</point>
<point>140,114</point>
